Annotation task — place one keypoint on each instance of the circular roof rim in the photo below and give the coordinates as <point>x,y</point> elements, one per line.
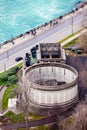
<point>59,87</point>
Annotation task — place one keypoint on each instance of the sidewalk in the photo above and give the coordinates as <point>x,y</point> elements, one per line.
<point>73,37</point>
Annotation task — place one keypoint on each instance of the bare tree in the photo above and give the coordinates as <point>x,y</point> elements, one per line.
<point>25,100</point>
<point>79,119</point>
<point>82,41</point>
<point>56,111</point>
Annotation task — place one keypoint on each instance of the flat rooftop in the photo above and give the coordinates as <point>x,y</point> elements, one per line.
<point>50,52</point>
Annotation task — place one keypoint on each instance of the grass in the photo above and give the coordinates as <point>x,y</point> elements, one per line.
<point>37,128</point>
<point>3,82</point>
<point>15,117</point>
<point>35,117</point>
<point>69,122</point>
<point>7,71</point>
<point>6,96</point>
<point>20,65</point>
<point>21,117</point>
<point>70,43</point>
<point>8,90</point>
<point>42,128</point>
<point>66,38</point>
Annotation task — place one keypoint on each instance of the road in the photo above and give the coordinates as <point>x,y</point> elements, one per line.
<point>54,34</point>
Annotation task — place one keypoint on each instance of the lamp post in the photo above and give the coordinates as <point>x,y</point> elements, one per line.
<point>72,23</point>
<point>4,66</point>
<point>73,7</point>
<point>7,54</point>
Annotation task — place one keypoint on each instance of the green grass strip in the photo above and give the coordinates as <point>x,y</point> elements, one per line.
<point>70,43</point>
<point>35,117</point>
<point>20,65</point>
<point>6,96</point>
<point>69,36</point>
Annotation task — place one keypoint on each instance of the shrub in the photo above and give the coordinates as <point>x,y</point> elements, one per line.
<point>8,84</point>
<point>12,71</point>
<point>4,77</point>
<point>12,80</point>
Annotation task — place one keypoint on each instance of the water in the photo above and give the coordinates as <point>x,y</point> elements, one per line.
<point>19,16</point>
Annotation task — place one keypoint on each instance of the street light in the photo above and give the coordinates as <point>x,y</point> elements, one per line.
<point>4,66</point>
<point>74,6</point>
<point>7,54</point>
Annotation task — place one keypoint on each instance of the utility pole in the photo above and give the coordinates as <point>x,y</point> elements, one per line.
<point>4,66</point>
<point>7,54</point>
<point>73,7</point>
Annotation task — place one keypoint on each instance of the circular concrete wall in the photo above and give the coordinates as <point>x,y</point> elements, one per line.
<point>52,84</point>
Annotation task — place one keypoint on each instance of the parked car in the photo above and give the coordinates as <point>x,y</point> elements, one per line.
<point>27,63</point>
<point>18,58</point>
<point>27,55</point>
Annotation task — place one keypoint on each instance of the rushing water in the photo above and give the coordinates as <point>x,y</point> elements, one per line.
<point>19,16</point>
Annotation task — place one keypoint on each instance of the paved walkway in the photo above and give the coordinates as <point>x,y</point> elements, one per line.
<point>49,120</point>
<point>33,123</point>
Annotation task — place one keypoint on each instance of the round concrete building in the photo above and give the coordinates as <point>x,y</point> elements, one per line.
<point>52,84</point>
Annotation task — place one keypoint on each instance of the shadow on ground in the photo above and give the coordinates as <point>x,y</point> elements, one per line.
<point>80,64</point>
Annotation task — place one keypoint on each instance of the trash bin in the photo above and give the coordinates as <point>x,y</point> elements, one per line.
<point>79,51</point>
<point>73,49</point>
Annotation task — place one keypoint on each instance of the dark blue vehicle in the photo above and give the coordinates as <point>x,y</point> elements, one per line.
<point>18,58</point>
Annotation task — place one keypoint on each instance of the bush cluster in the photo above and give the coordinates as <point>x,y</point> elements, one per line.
<point>12,80</point>
<point>9,77</point>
